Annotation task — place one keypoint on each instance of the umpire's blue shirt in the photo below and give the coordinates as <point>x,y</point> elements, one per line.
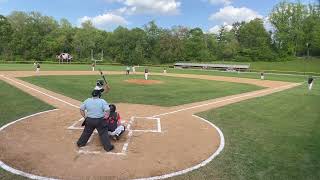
<point>95,107</point>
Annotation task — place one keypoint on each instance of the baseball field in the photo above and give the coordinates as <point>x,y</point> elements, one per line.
<point>186,124</point>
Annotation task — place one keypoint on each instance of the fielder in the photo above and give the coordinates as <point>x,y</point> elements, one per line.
<point>133,69</point>
<point>146,73</point>
<point>310,82</point>
<point>262,76</point>
<point>127,70</point>
<point>38,67</point>
<point>93,65</point>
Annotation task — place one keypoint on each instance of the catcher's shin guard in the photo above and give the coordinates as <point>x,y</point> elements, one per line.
<point>118,131</point>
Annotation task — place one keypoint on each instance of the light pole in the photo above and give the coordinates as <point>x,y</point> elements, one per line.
<point>308,47</point>
<point>305,64</point>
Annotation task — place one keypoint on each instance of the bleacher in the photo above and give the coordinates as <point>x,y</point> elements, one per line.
<point>221,67</point>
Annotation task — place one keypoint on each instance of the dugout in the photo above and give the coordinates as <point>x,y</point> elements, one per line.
<point>221,67</point>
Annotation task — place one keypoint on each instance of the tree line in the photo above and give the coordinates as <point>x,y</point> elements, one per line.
<point>33,36</point>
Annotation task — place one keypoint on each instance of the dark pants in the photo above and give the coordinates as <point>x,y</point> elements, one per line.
<point>90,125</point>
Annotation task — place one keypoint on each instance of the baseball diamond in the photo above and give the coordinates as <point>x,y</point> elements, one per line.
<point>159,89</point>
<point>158,142</point>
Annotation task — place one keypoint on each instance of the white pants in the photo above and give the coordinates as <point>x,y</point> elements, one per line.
<point>120,129</point>
<point>92,68</point>
<point>146,76</point>
<point>310,86</point>
<point>164,71</point>
<point>38,69</point>
<point>262,77</point>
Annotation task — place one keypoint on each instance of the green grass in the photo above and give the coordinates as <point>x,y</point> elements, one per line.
<point>271,137</point>
<point>253,75</point>
<point>174,91</point>
<point>58,67</point>
<point>299,65</point>
<point>15,104</point>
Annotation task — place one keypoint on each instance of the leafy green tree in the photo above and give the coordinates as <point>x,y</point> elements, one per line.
<point>228,45</point>
<point>255,41</point>
<point>153,33</point>
<point>196,46</point>
<point>6,32</point>
<point>83,41</point>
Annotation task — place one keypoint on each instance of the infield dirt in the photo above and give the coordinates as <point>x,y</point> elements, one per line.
<point>43,145</point>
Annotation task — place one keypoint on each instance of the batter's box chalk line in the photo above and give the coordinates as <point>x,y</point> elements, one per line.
<point>129,129</point>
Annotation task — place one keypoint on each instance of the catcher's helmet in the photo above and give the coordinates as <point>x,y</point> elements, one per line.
<point>112,107</point>
<point>100,82</point>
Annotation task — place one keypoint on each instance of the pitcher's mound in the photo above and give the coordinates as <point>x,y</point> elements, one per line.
<point>142,81</point>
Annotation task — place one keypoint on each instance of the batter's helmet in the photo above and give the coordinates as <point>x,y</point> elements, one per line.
<point>100,82</point>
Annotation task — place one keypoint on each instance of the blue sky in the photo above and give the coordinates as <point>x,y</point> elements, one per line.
<point>108,14</point>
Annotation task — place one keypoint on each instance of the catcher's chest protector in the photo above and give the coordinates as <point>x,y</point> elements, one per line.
<point>112,121</point>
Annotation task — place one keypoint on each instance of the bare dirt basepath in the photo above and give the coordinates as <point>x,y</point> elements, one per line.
<point>159,140</point>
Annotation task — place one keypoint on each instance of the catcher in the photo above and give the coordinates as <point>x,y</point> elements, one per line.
<point>113,120</point>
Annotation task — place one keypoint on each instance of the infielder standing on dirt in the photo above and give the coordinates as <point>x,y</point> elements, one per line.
<point>93,111</point>
<point>262,75</point>
<point>310,82</point>
<point>133,69</point>
<point>128,70</point>
<point>146,73</point>
<point>93,65</point>
<point>38,67</point>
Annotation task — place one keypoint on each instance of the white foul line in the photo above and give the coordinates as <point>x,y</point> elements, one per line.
<point>41,92</point>
<point>229,99</point>
<point>203,163</point>
<point>216,153</point>
<point>18,172</point>
<point>3,127</point>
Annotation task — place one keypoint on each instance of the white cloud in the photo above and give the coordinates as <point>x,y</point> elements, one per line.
<point>164,7</point>
<point>267,24</point>
<point>217,2</point>
<point>230,15</point>
<point>215,29</point>
<point>105,21</point>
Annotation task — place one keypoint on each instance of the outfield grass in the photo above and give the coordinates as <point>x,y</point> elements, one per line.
<point>15,104</point>
<point>271,137</point>
<point>78,67</point>
<point>299,65</point>
<point>59,67</point>
<point>174,91</point>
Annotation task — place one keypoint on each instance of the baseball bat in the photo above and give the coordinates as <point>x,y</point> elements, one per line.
<point>102,75</point>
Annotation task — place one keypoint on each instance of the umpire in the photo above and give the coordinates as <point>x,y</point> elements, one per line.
<point>95,108</point>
